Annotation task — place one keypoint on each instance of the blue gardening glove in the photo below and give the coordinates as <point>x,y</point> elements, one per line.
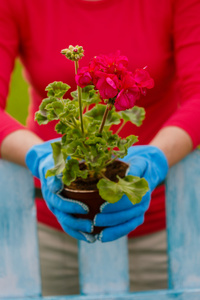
<point>39,159</point>
<point>122,217</point>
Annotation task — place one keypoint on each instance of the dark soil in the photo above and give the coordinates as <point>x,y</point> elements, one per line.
<point>90,183</point>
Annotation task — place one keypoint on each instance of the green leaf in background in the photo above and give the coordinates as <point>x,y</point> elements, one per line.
<point>57,89</point>
<point>132,186</point>
<point>135,115</point>
<point>46,112</point>
<point>41,119</point>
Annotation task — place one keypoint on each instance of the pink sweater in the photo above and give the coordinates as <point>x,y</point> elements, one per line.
<point>162,34</point>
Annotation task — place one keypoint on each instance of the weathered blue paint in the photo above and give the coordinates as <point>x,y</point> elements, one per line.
<point>103,267</point>
<point>183,219</point>
<point>158,295</point>
<point>19,266</point>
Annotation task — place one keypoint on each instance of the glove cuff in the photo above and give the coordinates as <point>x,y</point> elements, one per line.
<point>162,162</point>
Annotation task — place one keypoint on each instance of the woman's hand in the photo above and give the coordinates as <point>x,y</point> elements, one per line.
<point>39,159</point>
<point>122,217</point>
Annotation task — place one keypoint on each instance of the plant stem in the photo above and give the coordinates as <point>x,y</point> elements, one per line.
<point>79,99</point>
<point>74,121</point>
<point>104,117</point>
<point>69,124</point>
<point>76,66</point>
<point>120,128</point>
<point>61,99</point>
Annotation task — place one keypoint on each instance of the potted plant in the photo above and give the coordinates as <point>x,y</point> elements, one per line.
<point>88,154</point>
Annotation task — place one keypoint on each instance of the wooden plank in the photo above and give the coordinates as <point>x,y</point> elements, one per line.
<point>103,267</point>
<point>183,219</point>
<point>19,264</point>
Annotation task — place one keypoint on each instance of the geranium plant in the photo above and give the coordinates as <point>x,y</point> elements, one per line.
<point>106,95</point>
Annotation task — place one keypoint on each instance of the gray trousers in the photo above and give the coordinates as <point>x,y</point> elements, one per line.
<point>59,262</point>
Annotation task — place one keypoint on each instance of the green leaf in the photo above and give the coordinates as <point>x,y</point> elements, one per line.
<point>93,140</point>
<point>74,148</point>
<point>90,95</point>
<point>72,171</point>
<point>135,115</point>
<point>57,89</point>
<point>59,162</point>
<point>41,119</point>
<point>61,127</point>
<point>112,140</point>
<point>109,190</point>
<point>70,110</point>
<point>45,102</point>
<point>91,126</point>
<point>47,110</point>
<point>74,95</point>
<point>97,113</point>
<point>132,186</point>
<point>56,107</point>
<point>74,134</point>
<point>130,140</point>
<point>124,144</point>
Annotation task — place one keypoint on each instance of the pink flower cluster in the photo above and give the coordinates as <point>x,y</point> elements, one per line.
<point>110,76</point>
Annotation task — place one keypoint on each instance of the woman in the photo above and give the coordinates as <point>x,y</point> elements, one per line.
<point>165,36</point>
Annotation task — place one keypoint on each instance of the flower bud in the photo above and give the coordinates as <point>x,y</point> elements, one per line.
<point>73,53</point>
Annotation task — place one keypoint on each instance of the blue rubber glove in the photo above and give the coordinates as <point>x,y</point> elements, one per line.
<point>122,217</point>
<point>39,159</point>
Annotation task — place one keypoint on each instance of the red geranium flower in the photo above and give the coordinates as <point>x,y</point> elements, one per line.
<point>83,77</point>
<point>126,98</point>
<point>143,79</point>
<point>109,75</point>
<point>107,84</point>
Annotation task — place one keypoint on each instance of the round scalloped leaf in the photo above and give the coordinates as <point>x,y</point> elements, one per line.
<point>97,113</point>
<point>135,115</point>
<point>57,89</point>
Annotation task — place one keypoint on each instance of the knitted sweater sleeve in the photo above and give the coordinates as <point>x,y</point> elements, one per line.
<point>9,44</point>
<point>186,33</point>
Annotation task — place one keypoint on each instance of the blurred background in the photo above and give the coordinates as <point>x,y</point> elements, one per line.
<point>18,97</point>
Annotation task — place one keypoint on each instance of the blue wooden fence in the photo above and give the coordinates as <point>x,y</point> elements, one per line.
<point>108,278</point>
